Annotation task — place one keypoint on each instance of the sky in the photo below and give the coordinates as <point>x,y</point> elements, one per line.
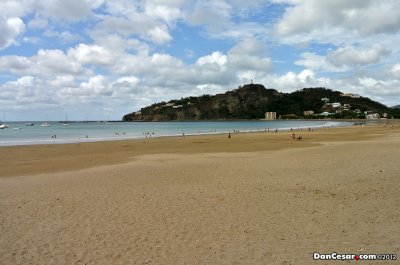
<point>106,58</point>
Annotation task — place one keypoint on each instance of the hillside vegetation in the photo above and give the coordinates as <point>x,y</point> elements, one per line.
<point>253,100</point>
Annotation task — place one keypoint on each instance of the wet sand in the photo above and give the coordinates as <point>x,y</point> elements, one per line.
<point>256,198</point>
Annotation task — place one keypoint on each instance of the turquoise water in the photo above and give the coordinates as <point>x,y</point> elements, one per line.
<point>20,134</point>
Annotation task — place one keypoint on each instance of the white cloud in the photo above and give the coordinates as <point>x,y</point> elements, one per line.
<point>119,45</point>
<point>219,19</point>
<point>306,76</point>
<point>396,70</point>
<point>70,10</point>
<point>165,60</point>
<point>212,14</point>
<point>56,62</point>
<point>15,8</point>
<point>10,29</point>
<point>128,80</point>
<point>32,40</point>
<point>249,55</point>
<point>96,85</point>
<point>361,16</point>
<point>351,56</point>
<point>292,81</point>
<point>126,86</point>
<point>317,62</point>
<point>91,54</point>
<point>38,23</point>
<point>343,59</point>
<point>169,14</point>
<point>24,81</point>
<point>63,36</point>
<point>62,81</point>
<point>121,7</point>
<point>15,64</point>
<point>159,35</point>
<point>136,24</point>
<point>216,57</point>
<point>44,63</point>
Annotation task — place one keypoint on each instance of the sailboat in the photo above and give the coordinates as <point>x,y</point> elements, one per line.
<point>108,121</point>
<point>66,120</point>
<point>3,125</point>
<point>45,124</point>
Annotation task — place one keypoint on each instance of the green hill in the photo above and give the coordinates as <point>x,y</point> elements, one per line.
<point>253,100</point>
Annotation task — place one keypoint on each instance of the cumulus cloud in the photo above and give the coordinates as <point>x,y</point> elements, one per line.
<point>350,56</point>
<point>396,70</point>
<point>70,10</point>
<point>44,63</point>
<point>216,57</point>
<point>343,59</point>
<point>15,8</point>
<point>168,12</point>
<point>291,81</point>
<point>91,54</point>
<point>38,23</point>
<point>62,81</point>
<point>137,24</point>
<point>56,62</point>
<point>311,60</point>
<point>15,64</point>
<point>10,29</point>
<point>362,16</point>
<point>63,36</point>
<point>96,85</point>
<point>159,35</point>
<point>250,55</point>
<point>213,14</point>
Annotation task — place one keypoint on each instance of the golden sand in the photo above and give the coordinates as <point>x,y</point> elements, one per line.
<point>256,198</point>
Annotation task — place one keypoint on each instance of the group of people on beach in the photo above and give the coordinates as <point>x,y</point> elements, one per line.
<point>148,134</point>
<point>293,136</point>
<point>298,137</point>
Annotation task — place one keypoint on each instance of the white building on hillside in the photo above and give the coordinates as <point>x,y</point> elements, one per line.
<point>373,116</point>
<point>270,115</point>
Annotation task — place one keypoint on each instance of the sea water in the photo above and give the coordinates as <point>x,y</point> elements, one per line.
<point>20,134</point>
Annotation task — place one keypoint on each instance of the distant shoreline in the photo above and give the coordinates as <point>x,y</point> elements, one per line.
<point>124,137</point>
<point>104,152</point>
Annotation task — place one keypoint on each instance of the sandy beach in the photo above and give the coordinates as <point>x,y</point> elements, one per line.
<point>256,198</point>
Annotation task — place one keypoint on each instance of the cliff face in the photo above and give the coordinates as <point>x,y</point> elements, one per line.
<point>248,102</point>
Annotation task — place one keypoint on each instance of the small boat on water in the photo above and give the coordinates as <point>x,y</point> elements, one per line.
<point>45,124</point>
<point>29,124</point>
<point>65,123</point>
<point>3,125</point>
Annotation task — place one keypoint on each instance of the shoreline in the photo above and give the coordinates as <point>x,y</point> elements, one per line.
<point>39,159</point>
<point>123,138</point>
